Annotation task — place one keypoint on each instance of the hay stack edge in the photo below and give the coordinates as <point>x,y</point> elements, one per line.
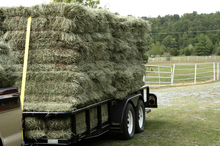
<point>77,56</point>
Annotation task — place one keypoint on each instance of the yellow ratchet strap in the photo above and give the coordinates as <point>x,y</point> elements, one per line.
<point>25,62</point>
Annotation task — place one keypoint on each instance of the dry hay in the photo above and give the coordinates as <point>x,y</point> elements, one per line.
<point>78,56</point>
<point>56,127</point>
<point>2,18</point>
<point>8,69</point>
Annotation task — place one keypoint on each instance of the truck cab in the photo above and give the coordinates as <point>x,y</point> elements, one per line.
<point>10,117</point>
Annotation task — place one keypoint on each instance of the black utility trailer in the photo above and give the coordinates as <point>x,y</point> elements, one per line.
<point>124,116</point>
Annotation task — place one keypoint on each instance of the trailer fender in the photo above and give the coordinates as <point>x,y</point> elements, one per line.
<point>118,110</point>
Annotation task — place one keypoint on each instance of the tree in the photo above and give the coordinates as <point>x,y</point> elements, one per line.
<point>88,3</point>
<point>145,58</point>
<point>174,52</point>
<point>173,43</point>
<point>209,44</point>
<point>156,49</point>
<point>186,30</point>
<point>187,52</point>
<point>201,48</point>
<point>167,41</point>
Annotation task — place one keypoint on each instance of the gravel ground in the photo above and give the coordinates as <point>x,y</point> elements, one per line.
<point>198,93</point>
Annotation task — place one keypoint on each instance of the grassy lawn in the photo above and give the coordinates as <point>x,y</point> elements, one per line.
<point>184,73</point>
<point>188,59</point>
<point>186,115</point>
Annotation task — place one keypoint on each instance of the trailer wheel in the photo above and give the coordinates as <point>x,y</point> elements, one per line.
<point>128,122</point>
<point>140,117</point>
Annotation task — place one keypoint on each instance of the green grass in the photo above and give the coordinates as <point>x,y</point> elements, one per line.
<point>188,59</point>
<point>184,73</point>
<point>191,117</point>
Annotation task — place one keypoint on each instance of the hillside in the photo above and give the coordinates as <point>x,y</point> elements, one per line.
<point>192,33</point>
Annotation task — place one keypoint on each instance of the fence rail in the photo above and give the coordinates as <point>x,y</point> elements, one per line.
<point>162,74</point>
<point>181,73</point>
<point>184,58</point>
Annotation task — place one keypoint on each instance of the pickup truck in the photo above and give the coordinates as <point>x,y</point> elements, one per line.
<point>10,117</point>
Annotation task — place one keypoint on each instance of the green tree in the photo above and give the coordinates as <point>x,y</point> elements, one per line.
<point>191,49</point>
<point>88,3</point>
<point>186,30</point>
<point>201,48</point>
<point>173,43</point>
<point>156,49</point>
<point>145,58</point>
<point>209,44</point>
<point>187,52</point>
<point>167,41</point>
<point>174,52</point>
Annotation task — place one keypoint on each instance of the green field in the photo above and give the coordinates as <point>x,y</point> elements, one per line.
<point>186,115</point>
<point>189,59</point>
<point>184,73</point>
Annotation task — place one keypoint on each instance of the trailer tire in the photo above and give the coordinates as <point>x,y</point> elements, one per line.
<point>1,144</point>
<point>128,122</point>
<point>140,117</point>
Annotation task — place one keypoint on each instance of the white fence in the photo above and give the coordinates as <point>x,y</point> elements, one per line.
<point>181,74</point>
<point>218,72</point>
<point>184,58</point>
<point>158,74</point>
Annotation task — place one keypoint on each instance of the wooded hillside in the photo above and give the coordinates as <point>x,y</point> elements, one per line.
<point>190,34</point>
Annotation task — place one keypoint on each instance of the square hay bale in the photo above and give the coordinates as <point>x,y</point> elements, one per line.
<point>8,75</point>
<point>78,56</point>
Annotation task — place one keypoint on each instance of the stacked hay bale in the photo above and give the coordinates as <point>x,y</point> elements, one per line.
<point>2,17</point>
<point>8,74</point>
<point>77,56</point>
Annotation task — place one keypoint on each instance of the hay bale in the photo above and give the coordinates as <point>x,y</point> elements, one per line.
<point>58,123</point>
<point>78,56</point>
<point>34,123</point>
<point>8,74</point>
<point>48,106</point>
<point>35,134</point>
<point>104,108</point>
<point>59,134</point>
<point>81,122</point>
<point>2,18</point>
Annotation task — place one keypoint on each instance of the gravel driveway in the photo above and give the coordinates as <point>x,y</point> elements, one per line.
<point>209,92</point>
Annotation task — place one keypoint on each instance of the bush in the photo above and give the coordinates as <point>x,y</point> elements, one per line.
<point>218,52</point>
<point>145,58</point>
<point>174,52</point>
<point>187,52</point>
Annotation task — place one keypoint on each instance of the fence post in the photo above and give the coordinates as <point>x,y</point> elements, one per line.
<point>171,71</point>
<point>214,69</point>
<point>195,74</point>
<point>188,58</point>
<point>217,71</point>
<point>159,74</point>
<point>172,79</point>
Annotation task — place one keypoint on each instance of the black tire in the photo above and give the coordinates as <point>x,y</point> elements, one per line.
<point>128,122</point>
<point>140,117</point>
<point>1,144</point>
